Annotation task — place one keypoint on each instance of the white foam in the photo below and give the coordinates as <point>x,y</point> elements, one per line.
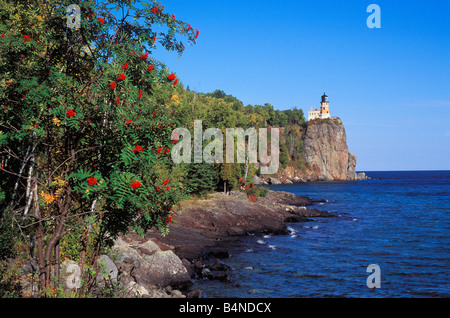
<point>315,227</point>
<point>272,247</point>
<point>291,230</point>
<point>261,242</point>
<point>267,236</point>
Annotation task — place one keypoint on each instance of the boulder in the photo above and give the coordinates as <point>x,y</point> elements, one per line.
<point>123,252</point>
<point>274,181</point>
<point>220,266</point>
<point>195,294</point>
<point>136,290</point>
<point>361,176</point>
<point>161,268</point>
<point>150,247</point>
<point>189,267</point>
<point>108,270</point>
<point>177,294</point>
<point>258,180</point>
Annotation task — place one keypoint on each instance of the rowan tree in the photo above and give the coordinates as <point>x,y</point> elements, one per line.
<point>85,131</point>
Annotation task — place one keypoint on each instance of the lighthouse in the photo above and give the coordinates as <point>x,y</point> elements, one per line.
<point>324,107</point>
<point>324,111</point>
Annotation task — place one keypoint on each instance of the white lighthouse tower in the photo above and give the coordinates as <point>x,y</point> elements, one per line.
<point>324,111</point>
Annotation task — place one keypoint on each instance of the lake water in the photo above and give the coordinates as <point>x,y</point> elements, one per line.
<point>398,220</point>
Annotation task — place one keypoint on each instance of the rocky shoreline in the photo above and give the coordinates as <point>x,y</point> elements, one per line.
<point>156,266</point>
<point>287,176</point>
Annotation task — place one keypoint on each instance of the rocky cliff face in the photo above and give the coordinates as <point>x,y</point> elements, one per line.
<point>326,155</point>
<point>326,151</point>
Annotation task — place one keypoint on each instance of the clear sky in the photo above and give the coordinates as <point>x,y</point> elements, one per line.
<point>390,86</point>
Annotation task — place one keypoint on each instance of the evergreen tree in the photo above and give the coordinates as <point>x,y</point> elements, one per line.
<point>201,178</point>
<point>284,157</point>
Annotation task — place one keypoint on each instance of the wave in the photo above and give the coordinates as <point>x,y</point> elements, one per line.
<point>434,194</point>
<point>308,275</point>
<point>315,227</point>
<point>291,230</point>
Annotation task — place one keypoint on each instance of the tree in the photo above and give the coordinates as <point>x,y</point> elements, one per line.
<point>217,94</point>
<point>85,135</point>
<point>295,116</point>
<point>201,178</point>
<point>281,118</point>
<point>230,174</point>
<point>284,157</point>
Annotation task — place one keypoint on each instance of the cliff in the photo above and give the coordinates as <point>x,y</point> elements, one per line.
<point>323,154</point>
<point>326,151</point>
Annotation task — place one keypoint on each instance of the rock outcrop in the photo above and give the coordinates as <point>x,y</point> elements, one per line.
<point>326,151</point>
<point>324,154</point>
<point>200,224</point>
<point>146,264</point>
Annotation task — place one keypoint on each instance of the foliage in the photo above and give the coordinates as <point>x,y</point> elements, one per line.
<point>201,178</point>
<point>83,112</point>
<point>221,110</point>
<point>10,286</point>
<point>253,192</point>
<point>329,121</point>
<point>263,191</point>
<point>86,117</point>
<point>8,237</point>
<point>284,157</point>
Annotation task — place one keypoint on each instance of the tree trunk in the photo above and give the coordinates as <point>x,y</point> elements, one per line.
<point>84,239</point>
<point>246,167</point>
<point>57,266</point>
<point>33,267</point>
<point>39,239</point>
<point>44,257</point>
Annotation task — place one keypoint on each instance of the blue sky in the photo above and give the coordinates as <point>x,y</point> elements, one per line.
<point>390,86</point>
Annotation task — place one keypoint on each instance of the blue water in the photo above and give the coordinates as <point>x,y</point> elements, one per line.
<point>398,220</point>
